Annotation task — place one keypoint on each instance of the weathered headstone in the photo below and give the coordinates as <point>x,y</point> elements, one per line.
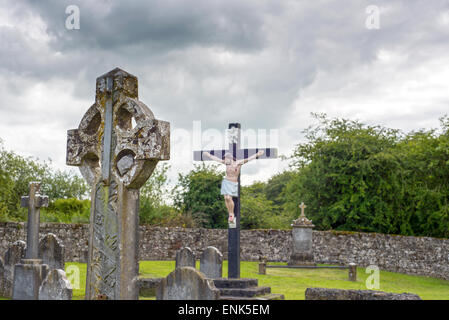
<point>302,251</point>
<point>2,277</point>
<point>28,277</point>
<point>30,272</point>
<point>185,258</point>
<point>13,256</point>
<point>148,286</point>
<point>187,283</point>
<point>237,154</point>
<point>116,146</point>
<point>211,263</point>
<point>56,286</point>
<point>51,251</point>
<point>341,294</point>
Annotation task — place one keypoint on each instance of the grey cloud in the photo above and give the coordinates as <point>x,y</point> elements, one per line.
<point>161,25</point>
<point>173,47</point>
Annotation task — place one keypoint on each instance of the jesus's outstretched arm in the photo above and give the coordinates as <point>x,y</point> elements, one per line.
<point>207,154</point>
<point>258,154</point>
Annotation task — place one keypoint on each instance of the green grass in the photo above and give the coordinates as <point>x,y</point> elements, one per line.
<point>293,282</point>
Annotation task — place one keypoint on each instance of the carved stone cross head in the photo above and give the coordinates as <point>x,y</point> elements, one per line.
<point>118,136</point>
<point>34,198</point>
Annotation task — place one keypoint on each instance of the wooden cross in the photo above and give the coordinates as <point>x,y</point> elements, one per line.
<point>34,201</point>
<point>116,157</point>
<point>234,137</point>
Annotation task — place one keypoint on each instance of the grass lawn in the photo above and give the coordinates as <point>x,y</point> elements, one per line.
<point>293,282</point>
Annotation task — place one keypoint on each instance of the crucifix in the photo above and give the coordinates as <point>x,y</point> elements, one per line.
<point>116,146</point>
<point>34,201</point>
<point>234,157</point>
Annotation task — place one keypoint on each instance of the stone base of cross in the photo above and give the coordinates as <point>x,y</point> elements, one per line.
<point>30,272</point>
<point>234,138</point>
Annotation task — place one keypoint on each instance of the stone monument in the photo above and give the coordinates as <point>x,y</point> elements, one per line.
<point>2,278</point>
<point>116,146</point>
<point>13,256</point>
<point>185,258</point>
<point>29,274</point>
<point>56,286</point>
<point>187,283</point>
<point>211,263</point>
<point>51,251</point>
<point>302,251</point>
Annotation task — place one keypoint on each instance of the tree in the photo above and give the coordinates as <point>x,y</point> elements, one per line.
<point>349,176</point>
<point>153,207</point>
<point>357,177</point>
<point>16,172</point>
<point>257,212</point>
<point>275,186</point>
<point>198,193</point>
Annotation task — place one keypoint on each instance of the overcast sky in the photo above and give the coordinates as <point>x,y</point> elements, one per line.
<point>265,64</point>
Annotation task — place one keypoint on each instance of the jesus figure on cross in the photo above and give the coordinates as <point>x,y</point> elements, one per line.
<point>229,185</point>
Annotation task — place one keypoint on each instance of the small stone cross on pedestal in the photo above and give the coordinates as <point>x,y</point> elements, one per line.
<point>30,272</point>
<point>34,201</point>
<point>302,251</point>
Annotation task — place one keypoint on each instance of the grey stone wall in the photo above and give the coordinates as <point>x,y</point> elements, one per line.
<point>412,255</point>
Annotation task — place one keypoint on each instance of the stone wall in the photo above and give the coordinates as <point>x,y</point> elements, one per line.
<point>412,255</point>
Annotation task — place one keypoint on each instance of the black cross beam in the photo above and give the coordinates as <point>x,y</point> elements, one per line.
<point>239,154</point>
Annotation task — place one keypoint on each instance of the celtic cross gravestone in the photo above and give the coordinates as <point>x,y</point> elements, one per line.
<point>116,146</point>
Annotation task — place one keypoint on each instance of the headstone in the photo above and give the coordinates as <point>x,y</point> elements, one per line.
<point>341,294</point>
<point>187,283</point>
<point>2,277</point>
<point>352,273</point>
<point>185,258</point>
<point>30,272</point>
<point>13,256</point>
<point>51,251</point>
<point>148,286</point>
<point>238,154</point>
<point>28,277</point>
<point>211,263</point>
<point>116,156</point>
<point>302,251</point>
<point>56,286</point>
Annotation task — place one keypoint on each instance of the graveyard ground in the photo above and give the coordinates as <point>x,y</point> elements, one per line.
<point>293,282</point>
